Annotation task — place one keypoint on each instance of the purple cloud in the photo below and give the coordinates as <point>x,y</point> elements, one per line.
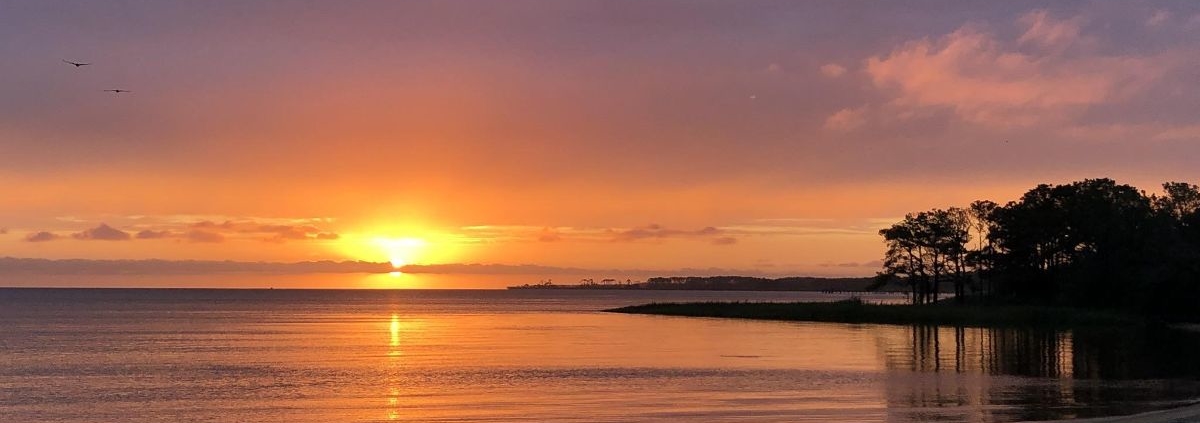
<point>42,236</point>
<point>102,233</point>
<point>149,234</point>
<point>197,235</point>
<point>656,231</point>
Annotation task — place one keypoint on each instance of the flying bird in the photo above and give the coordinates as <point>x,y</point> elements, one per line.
<point>117,91</point>
<point>77,64</point>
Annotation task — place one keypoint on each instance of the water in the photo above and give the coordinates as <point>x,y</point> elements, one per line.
<point>494,356</point>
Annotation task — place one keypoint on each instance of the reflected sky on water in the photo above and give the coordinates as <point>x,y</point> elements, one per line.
<point>309,356</point>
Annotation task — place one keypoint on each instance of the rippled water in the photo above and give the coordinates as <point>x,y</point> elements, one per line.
<point>320,356</point>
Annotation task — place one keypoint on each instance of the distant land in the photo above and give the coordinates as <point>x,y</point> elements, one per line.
<point>727,283</point>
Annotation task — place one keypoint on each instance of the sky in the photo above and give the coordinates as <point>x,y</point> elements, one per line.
<point>758,137</point>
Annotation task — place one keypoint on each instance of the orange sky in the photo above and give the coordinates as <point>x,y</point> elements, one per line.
<point>765,137</point>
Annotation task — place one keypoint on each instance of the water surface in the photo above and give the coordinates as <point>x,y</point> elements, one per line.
<point>489,355</point>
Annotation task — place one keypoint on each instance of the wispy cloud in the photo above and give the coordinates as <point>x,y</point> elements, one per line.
<point>833,70</point>
<point>1159,18</point>
<point>847,119</point>
<point>1046,31</point>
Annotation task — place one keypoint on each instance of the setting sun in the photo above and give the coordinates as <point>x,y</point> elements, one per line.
<point>398,245</point>
<point>401,251</point>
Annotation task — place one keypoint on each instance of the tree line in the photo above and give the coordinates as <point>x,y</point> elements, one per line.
<point>1089,244</point>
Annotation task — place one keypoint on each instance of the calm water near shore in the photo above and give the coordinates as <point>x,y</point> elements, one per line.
<point>494,355</point>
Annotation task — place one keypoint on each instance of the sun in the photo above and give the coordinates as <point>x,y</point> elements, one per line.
<point>401,251</point>
<point>399,245</point>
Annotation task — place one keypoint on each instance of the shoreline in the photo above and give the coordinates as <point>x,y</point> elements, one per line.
<point>716,289</point>
<point>854,312</point>
<point>849,312</point>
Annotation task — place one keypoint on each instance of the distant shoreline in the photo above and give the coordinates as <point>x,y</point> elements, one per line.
<point>731,283</point>
<point>645,288</point>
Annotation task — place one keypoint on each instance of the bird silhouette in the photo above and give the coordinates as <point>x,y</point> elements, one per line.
<point>77,64</point>
<point>117,91</point>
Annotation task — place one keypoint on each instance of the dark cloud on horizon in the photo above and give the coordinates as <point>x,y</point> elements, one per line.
<point>546,234</point>
<point>281,233</point>
<point>9,265</point>
<point>102,233</point>
<point>42,236</point>
<point>151,234</point>
<point>277,233</point>
<point>198,235</point>
<point>657,231</point>
<point>873,264</point>
<point>202,232</point>
<point>208,224</point>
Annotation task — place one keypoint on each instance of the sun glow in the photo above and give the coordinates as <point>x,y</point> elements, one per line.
<point>399,245</point>
<point>401,251</point>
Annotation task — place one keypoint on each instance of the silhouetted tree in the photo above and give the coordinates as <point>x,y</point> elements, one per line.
<point>958,225</point>
<point>1092,243</point>
<point>925,249</point>
<point>1072,244</point>
<point>981,258</point>
<point>1179,200</point>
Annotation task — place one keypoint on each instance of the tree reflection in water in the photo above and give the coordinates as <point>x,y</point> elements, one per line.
<point>1007,374</point>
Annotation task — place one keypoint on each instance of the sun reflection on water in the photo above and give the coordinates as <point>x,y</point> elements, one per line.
<point>393,408</point>
<point>395,331</point>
